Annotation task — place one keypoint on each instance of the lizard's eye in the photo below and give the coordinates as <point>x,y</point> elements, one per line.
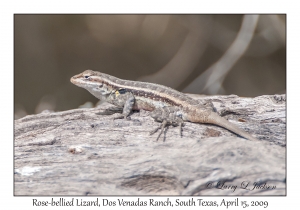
<point>101,85</point>
<point>86,77</point>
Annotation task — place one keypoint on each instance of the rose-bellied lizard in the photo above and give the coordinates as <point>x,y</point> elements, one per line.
<point>168,106</point>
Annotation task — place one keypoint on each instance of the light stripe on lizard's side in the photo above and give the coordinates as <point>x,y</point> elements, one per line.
<point>148,90</point>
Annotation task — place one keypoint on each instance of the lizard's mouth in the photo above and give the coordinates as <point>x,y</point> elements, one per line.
<point>73,80</point>
<point>76,80</point>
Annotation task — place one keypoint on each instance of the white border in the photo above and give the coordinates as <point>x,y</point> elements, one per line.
<point>8,8</point>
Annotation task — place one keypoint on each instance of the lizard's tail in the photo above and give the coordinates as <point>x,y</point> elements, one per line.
<point>214,118</point>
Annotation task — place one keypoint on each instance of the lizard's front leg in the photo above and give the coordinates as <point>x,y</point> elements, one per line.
<point>167,116</point>
<point>123,101</point>
<point>129,102</point>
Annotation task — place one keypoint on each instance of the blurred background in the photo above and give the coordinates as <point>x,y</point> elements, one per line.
<point>201,54</point>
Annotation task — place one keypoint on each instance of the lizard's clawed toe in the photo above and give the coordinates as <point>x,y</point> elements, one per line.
<point>162,127</point>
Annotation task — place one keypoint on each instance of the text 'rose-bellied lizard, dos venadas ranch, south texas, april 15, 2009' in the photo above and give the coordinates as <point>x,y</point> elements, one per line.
<point>168,106</point>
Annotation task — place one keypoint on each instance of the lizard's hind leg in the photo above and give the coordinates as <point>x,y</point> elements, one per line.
<point>168,116</point>
<point>162,127</point>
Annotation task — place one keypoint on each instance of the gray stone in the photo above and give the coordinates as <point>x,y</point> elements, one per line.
<point>78,152</point>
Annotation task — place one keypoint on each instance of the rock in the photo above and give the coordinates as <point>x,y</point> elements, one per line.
<point>78,152</point>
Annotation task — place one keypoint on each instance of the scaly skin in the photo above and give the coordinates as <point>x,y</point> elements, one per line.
<point>167,105</point>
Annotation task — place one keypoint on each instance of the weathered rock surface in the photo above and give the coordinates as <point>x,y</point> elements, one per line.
<point>78,152</point>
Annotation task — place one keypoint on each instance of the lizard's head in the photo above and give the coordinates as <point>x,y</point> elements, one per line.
<point>93,82</point>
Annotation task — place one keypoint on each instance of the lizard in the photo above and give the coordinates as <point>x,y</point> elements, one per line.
<point>167,106</point>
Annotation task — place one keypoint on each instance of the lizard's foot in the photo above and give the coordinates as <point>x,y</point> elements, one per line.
<point>121,116</point>
<point>114,110</point>
<point>207,104</point>
<point>111,111</point>
<point>127,117</point>
<point>168,116</point>
<point>162,127</point>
